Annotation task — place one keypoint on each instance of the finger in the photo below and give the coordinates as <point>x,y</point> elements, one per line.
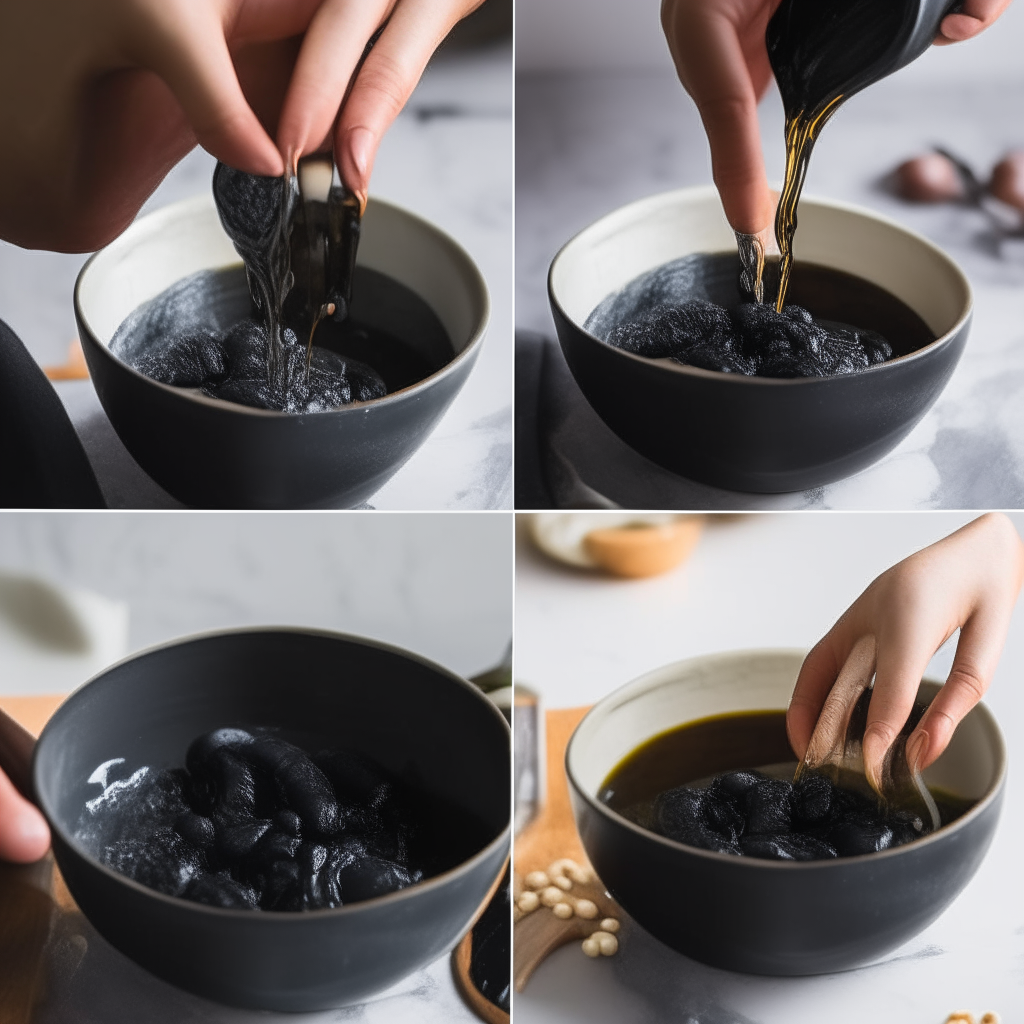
<point>903,655</point>
<point>385,82</point>
<point>331,51</point>
<point>712,67</point>
<point>974,17</point>
<point>187,49</point>
<point>813,685</point>
<point>24,836</point>
<point>977,655</point>
<point>833,723</point>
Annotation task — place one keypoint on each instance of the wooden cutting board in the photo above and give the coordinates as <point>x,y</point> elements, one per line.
<point>551,837</point>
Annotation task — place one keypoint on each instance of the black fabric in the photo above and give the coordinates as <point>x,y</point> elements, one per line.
<point>44,463</point>
<point>531,490</point>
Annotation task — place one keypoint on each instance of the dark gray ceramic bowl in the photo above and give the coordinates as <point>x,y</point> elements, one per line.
<point>411,716</point>
<point>755,433</point>
<point>762,916</point>
<point>210,453</point>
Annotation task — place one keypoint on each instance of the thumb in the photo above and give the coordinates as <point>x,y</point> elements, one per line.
<point>24,836</point>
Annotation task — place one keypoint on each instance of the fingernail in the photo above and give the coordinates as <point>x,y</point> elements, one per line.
<point>916,747</point>
<point>360,144</point>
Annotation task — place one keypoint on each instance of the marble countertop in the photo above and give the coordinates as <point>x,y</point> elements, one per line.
<point>589,141</point>
<point>437,584</point>
<point>765,581</point>
<point>448,158</point>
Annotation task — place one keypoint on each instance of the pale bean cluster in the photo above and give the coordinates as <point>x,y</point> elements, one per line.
<point>553,889</point>
<point>964,1017</point>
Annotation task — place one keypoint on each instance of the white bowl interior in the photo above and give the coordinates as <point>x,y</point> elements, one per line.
<point>750,681</point>
<point>186,237</point>
<point>609,254</point>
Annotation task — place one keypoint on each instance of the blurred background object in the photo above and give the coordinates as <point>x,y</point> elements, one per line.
<point>53,638</point>
<point>628,544</point>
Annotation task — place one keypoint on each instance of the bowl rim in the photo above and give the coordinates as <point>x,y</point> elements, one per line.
<point>757,863</point>
<point>351,909</point>
<point>176,209</point>
<point>699,192</point>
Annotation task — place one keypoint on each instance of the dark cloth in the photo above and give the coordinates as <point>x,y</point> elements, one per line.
<point>43,462</point>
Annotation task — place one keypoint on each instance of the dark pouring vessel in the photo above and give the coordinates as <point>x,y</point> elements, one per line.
<point>821,50</point>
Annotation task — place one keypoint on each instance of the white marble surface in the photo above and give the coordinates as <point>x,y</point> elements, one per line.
<point>590,141</point>
<point>448,158</point>
<point>436,584</point>
<point>765,580</point>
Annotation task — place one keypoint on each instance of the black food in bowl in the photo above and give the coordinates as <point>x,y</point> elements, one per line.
<point>254,822</point>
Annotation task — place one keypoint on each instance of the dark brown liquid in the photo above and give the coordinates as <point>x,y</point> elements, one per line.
<point>697,751</point>
<point>829,294</point>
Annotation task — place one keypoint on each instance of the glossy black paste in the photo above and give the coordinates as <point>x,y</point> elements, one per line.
<point>748,813</point>
<point>754,340</point>
<point>254,822</point>
<point>691,310</point>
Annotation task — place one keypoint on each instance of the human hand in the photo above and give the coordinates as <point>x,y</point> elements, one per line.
<point>24,835</point>
<point>974,17</point>
<point>719,51</point>
<point>100,98</point>
<point>968,581</point>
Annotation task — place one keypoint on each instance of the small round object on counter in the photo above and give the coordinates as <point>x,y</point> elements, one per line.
<point>528,902</point>
<point>1007,181</point>
<point>930,178</point>
<point>606,943</point>
<point>631,545</point>
<point>551,895</point>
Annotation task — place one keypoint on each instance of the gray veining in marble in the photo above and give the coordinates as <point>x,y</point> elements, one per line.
<point>592,140</point>
<point>448,158</point>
